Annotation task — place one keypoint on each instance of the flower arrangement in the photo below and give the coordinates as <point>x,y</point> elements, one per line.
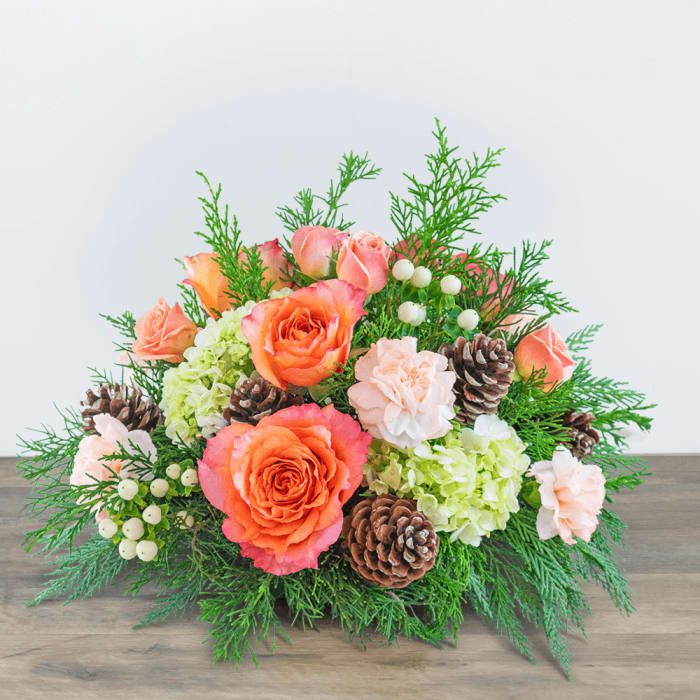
<point>380,431</point>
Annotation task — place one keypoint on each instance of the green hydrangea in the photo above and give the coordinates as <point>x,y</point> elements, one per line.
<point>196,392</point>
<point>467,483</point>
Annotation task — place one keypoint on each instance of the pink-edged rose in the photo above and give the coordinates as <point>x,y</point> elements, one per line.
<point>403,396</point>
<point>275,261</point>
<point>363,261</point>
<point>313,248</point>
<point>163,333</point>
<point>112,436</point>
<point>572,495</point>
<point>544,349</point>
<point>303,338</point>
<point>282,483</point>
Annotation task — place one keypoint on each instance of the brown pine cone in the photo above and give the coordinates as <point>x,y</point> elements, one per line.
<point>388,542</point>
<point>484,368</point>
<point>123,403</point>
<point>582,436</point>
<point>256,398</point>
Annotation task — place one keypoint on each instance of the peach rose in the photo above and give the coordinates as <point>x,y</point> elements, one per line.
<point>204,275</point>
<point>403,396</point>
<point>313,248</point>
<point>163,333</point>
<point>572,495</point>
<point>364,261</point>
<point>274,259</point>
<point>112,435</point>
<point>282,483</point>
<point>544,349</point>
<point>303,338</point>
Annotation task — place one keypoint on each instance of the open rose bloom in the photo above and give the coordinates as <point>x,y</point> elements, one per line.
<point>283,483</point>
<point>303,338</point>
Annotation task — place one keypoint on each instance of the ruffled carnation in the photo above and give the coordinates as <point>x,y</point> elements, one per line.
<point>112,436</point>
<point>467,484</point>
<point>403,396</point>
<point>283,483</point>
<point>572,495</point>
<point>196,392</point>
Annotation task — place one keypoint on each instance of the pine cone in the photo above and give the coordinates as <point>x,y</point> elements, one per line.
<point>123,403</point>
<point>484,368</point>
<point>388,542</point>
<point>256,398</point>
<point>582,437</point>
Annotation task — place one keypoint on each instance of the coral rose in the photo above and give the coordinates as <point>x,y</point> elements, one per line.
<point>275,261</point>
<point>204,275</point>
<point>364,261</point>
<point>113,435</point>
<point>283,483</point>
<point>489,286</point>
<point>313,248</point>
<point>403,396</point>
<point>572,495</point>
<point>303,338</point>
<point>544,349</point>
<point>163,333</point>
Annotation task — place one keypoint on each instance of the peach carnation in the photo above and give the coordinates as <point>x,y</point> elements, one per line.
<point>303,338</point>
<point>112,436</point>
<point>282,483</point>
<point>572,495</point>
<point>403,396</point>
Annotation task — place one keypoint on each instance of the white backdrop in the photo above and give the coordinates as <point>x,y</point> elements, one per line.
<point>108,111</point>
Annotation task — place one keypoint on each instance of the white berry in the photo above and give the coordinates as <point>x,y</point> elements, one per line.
<point>420,315</point>
<point>450,285</point>
<point>402,270</point>
<point>468,319</point>
<point>407,312</point>
<point>127,489</point>
<point>173,471</point>
<point>186,521</point>
<point>189,477</point>
<point>107,528</point>
<point>146,550</point>
<point>159,487</point>
<point>127,549</point>
<point>133,528</point>
<point>421,277</point>
<point>152,514</point>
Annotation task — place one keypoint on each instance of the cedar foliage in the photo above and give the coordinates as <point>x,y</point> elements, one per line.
<point>512,579</point>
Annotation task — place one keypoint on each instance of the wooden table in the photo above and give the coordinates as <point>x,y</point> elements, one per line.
<point>88,649</point>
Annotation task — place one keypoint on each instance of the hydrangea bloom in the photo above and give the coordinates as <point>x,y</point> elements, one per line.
<point>467,483</point>
<point>196,392</point>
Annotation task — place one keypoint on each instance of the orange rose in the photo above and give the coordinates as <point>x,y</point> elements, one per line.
<point>302,338</point>
<point>212,287</point>
<point>283,483</point>
<point>206,279</point>
<point>544,349</point>
<point>163,333</point>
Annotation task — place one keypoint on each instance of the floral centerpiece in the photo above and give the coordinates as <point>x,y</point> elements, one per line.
<point>380,431</point>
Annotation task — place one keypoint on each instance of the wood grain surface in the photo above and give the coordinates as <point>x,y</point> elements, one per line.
<point>88,649</point>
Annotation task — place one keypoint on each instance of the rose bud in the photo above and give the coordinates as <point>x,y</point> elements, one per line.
<point>313,247</point>
<point>364,261</point>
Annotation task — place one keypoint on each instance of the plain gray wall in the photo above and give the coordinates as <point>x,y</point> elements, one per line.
<point>108,110</point>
